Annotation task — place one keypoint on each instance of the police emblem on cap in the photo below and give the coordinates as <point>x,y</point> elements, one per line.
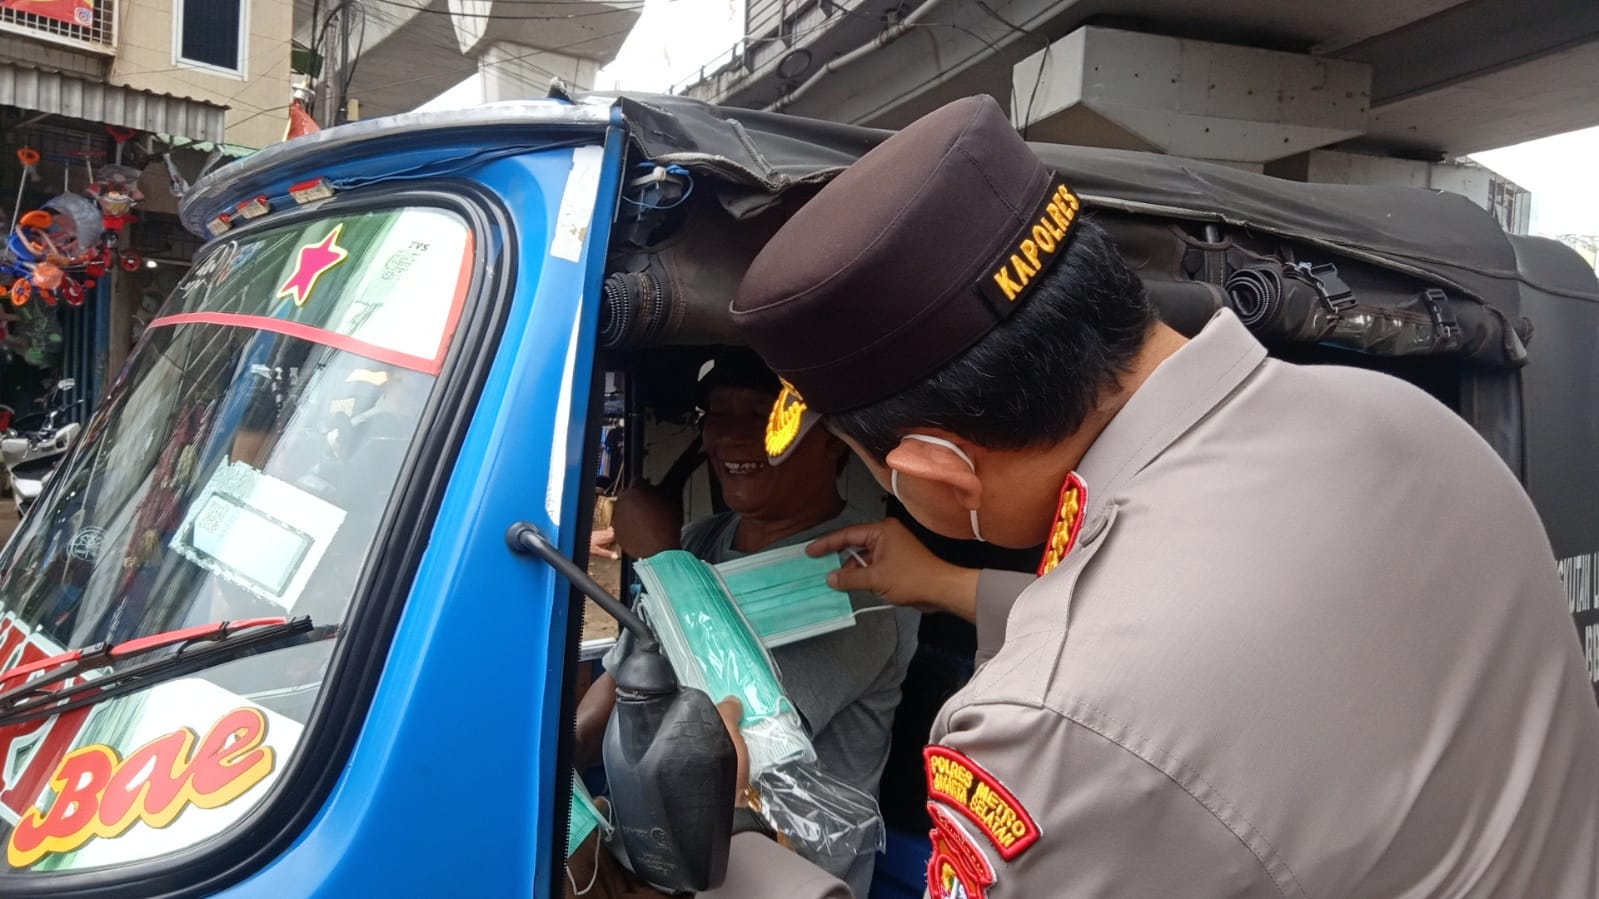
<point>788,422</point>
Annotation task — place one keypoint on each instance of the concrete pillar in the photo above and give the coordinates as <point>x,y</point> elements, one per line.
<point>518,53</point>
<point>1107,87</point>
<point>516,72</point>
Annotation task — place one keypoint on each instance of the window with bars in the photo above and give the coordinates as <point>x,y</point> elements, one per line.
<point>87,24</point>
<point>210,33</point>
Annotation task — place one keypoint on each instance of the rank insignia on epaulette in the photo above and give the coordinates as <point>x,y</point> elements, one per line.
<point>1068,523</point>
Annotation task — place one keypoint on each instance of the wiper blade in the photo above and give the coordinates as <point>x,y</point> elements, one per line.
<point>198,647</point>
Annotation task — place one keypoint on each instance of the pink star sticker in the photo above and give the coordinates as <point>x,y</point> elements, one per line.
<point>315,259</point>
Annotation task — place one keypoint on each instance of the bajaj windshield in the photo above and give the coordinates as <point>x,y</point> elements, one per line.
<point>238,471</point>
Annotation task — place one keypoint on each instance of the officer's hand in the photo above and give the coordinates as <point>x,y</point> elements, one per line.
<point>647,521</point>
<point>900,569</point>
<point>732,712</point>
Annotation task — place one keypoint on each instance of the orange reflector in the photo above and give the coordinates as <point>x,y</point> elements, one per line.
<point>253,209</point>
<point>220,225</point>
<point>311,191</point>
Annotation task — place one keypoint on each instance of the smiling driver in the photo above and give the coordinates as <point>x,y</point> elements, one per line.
<point>846,683</point>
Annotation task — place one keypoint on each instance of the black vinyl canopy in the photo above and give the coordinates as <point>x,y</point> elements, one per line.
<point>1533,395</point>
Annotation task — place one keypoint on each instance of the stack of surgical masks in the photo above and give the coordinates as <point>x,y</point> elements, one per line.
<point>715,624</point>
<point>714,648</point>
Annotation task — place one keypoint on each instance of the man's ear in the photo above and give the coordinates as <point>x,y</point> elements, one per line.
<point>940,465</point>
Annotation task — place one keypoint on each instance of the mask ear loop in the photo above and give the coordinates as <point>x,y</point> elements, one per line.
<point>893,473</point>
<point>606,826</point>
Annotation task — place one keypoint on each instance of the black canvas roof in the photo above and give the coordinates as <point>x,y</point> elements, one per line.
<point>759,156</point>
<point>1539,415</point>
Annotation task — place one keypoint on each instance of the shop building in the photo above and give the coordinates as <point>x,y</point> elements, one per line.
<point>112,107</point>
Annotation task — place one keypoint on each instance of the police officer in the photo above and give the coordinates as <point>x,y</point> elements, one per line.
<point>1297,632</point>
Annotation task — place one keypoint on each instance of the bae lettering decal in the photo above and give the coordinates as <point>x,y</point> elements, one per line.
<point>99,794</point>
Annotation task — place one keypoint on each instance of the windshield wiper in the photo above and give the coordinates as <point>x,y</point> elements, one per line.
<point>198,647</point>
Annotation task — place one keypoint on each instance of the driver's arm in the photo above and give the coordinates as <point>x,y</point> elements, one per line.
<point>593,713</point>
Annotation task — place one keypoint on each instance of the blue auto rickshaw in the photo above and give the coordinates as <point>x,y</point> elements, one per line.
<point>302,615</point>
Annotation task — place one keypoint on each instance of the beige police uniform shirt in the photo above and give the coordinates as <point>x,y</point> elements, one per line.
<point>1310,642</point>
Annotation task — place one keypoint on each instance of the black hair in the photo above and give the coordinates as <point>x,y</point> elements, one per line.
<point>1035,377</point>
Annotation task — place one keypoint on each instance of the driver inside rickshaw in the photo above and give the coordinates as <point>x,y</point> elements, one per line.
<point>845,684</point>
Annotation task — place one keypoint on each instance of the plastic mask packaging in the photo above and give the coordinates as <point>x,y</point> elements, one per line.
<point>784,594</point>
<point>703,616</point>
<point>713,648</point>
<point>583,819</point>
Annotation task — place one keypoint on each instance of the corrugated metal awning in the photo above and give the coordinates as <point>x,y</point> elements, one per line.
<point>182,142</point>
<point>58,93</point>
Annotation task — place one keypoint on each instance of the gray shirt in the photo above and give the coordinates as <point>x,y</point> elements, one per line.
<point>1311,642</point>
<point>845,684</point>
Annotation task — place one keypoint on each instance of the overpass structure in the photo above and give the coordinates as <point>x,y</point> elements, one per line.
<point>407,52</point>
<point>1367,91</point>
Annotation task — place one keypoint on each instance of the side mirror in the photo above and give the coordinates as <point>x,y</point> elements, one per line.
<point>672,770</point>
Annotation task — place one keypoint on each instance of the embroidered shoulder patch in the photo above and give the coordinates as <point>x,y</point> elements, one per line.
<point>1068,523</point>
<point>964,786</point>
<point>956,869</point>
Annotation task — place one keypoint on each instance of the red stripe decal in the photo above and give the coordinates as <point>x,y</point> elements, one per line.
<point>457,302</point>
<point>305,332</point>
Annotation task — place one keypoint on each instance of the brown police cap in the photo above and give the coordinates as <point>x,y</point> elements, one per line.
<point>904,261</point>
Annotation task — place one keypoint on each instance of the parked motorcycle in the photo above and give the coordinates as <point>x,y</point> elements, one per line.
<point>32,453</point>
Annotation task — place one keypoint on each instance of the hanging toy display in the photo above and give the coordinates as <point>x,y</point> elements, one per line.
<point>59,250</point>
<point>43,246</point>
<point>35,262</point>
<point>116,187</point>
<point>78,233</point>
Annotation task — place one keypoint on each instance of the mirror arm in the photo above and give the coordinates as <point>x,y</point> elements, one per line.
<point>527,539</point>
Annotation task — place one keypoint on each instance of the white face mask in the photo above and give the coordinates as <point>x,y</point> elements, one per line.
<point>893,477</point>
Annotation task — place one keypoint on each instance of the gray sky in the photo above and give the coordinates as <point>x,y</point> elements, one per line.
<point>673,39</point>
<point>1560,173</point>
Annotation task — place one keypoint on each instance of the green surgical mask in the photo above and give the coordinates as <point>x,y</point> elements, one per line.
<point>784,594</point>
<point>584,817</point>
